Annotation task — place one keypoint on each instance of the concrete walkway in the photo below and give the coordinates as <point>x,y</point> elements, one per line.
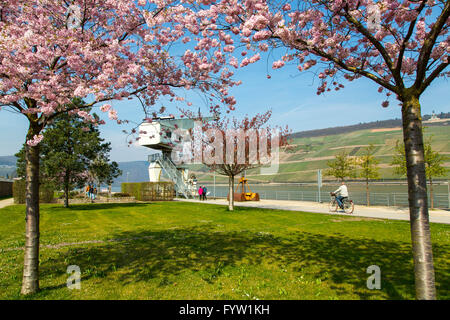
<point>6,202</point>
<point>394,213</point>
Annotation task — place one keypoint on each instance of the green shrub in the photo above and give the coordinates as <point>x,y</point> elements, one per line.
<point>19,191</point>
<point>46,192</point>
<point>149,191</point>
<point>6,189</point>
<point>120,195</point>
<point>79,196</point>
<point>72,195</point>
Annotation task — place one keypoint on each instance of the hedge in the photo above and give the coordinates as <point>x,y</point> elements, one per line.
<point>46,193</point>
<point>121,195</point>
<point>5,188</point>
<point>150,191</point>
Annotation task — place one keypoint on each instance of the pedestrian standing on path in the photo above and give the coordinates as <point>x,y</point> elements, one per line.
<point>200,193</point>
<point>205,190</point>
<point>91,193</point>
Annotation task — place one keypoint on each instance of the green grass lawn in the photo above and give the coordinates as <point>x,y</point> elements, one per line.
<point>173,250</point>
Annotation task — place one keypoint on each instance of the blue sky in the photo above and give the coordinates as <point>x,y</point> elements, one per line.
<point>290,94</point>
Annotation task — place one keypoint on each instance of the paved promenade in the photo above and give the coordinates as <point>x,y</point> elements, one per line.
<point>6,202</point>
<point>394,213</point>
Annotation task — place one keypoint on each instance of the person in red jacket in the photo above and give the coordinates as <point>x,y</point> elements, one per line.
<point>200,193</point>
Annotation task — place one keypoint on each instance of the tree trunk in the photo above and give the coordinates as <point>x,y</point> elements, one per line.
<point>431,193</point>
<point>417,196</point>
<point>30,281</point>
<point>66,195</point>
<point>367,192</point>
<point>231,193</point>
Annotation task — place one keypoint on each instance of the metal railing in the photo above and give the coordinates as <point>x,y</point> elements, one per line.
<point>441,200</point>
<point>173,173</point>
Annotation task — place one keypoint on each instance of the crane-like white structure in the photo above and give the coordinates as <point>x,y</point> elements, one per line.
<point>159,135</point>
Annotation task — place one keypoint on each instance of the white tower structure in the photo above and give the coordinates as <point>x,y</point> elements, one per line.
<point>160,134</point>
<point>154,172</point>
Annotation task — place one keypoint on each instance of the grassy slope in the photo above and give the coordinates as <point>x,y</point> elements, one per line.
<point>305,160</point>
<point>190,251</point>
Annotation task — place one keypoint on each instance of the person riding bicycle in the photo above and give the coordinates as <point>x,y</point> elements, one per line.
<point>341,193</point>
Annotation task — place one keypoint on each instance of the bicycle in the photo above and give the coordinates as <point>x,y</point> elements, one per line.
<point>348,205</point>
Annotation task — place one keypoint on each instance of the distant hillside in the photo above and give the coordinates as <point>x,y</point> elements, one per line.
<point>7,166</point>
<point>305,155</point>
<point>362,126</point>
<point>8,160</point>
<point>138,172</point>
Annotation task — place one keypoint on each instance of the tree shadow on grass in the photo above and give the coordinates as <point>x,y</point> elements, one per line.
<point>144,255</point>
<point>101,206</point>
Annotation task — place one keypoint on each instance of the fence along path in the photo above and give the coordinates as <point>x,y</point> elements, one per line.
<point>392,199</point>
<point>391,213</point>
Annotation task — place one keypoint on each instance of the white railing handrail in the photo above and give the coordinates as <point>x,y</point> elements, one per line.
<point>171,170</point>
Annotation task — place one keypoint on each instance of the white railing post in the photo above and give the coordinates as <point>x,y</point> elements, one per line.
<point>448,190</point>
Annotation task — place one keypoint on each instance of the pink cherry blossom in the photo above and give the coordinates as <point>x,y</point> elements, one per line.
<point>278,64</point>
<point>112,114</point>
<point>36,140</point>
<point>105,107</point>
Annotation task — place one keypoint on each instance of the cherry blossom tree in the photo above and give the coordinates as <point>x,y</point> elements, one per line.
<point>401,45</point>
<point>52,51</point>
<point>230,146</point>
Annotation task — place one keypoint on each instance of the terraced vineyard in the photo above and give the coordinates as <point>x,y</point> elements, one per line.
<point>305,155</point>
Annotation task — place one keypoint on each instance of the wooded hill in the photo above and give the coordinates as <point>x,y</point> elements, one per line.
<point>311,151</point>
<point>363,126</point>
